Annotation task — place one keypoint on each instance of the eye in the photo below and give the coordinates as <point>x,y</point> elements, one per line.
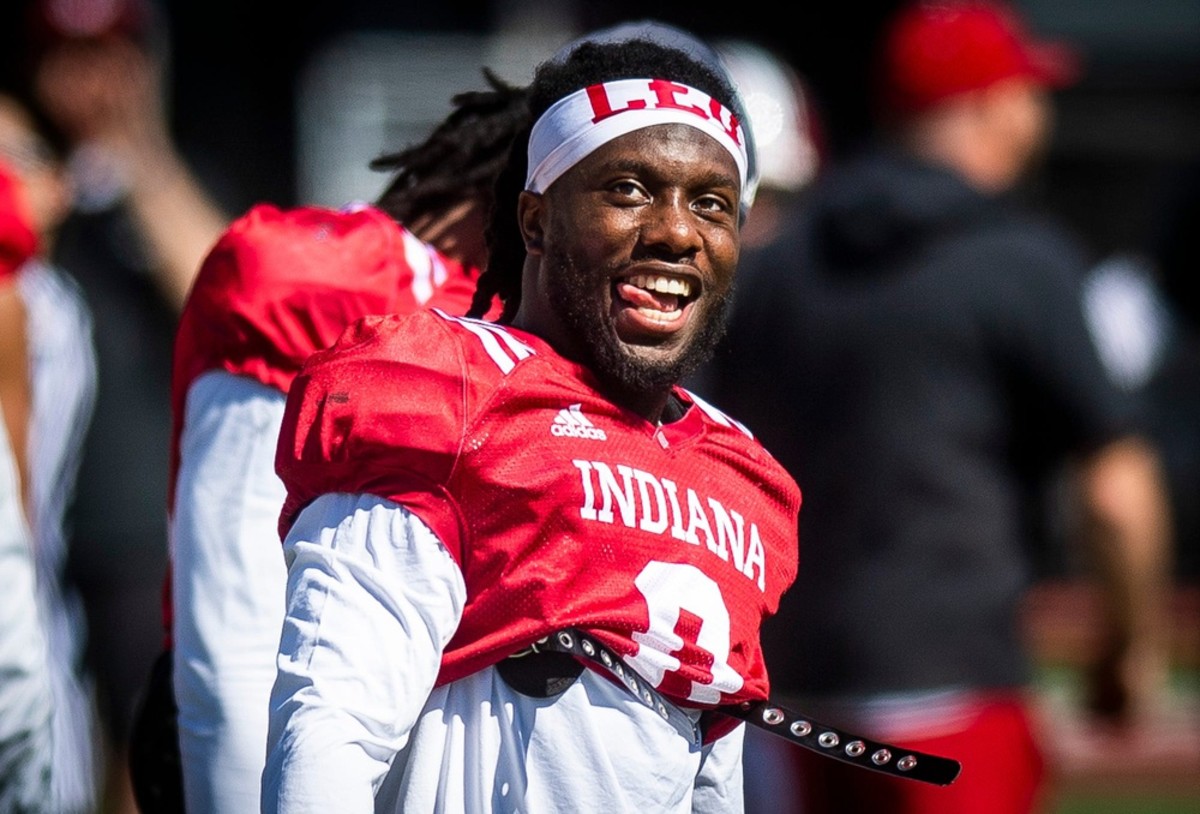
<point>715,206</point>
<point>629,191</point>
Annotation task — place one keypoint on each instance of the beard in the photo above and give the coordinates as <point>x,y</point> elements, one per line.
<point>571,292</point>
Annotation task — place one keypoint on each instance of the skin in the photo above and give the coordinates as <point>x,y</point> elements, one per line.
<point>1125,524</point>
<point>15,398</point>
<point>457,231</point>
<point>991,137</point>
<point>109,93</point>
<point>658,201</point>
<point>47,189</point>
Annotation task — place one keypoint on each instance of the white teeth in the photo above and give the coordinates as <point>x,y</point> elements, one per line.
<point>662,317</point>
<point>662,284</point>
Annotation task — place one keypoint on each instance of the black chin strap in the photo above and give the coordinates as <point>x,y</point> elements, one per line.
<point>793,726</point>
<point>846,747</point>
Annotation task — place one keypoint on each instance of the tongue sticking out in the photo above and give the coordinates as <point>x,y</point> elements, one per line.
<point>643,298</point>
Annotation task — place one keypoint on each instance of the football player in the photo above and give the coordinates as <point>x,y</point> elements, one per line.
<point>527,570</point>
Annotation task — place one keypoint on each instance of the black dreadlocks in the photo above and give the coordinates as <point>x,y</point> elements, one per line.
<point>460,158</point>
<point>588,64</point>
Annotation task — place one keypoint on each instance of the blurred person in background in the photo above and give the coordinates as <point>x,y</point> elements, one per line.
<point>61,378</point>
<point>139,228</point>
<point>26,702</point>
<point>788,135</point>
<point>99,69</point>
<point>1174,389</point>
<point>26,705</point>
<point>277,286</point>
<point>915,352</point>
<point>1145,314</point>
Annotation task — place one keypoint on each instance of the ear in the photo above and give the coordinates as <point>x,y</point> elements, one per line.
<point>530,213</point>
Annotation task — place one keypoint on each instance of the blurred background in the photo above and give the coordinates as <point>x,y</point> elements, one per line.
<point>288,102</point>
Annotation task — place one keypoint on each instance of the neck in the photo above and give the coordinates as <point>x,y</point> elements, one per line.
<point>654,407</point>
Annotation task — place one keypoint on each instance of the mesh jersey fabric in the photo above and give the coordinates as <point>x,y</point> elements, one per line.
<point>670,545</point>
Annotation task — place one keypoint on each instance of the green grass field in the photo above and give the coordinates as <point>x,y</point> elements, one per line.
<point>1128,804</point>
<point>1160,774</point>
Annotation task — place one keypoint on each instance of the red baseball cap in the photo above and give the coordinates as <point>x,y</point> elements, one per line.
<point>932,51</point>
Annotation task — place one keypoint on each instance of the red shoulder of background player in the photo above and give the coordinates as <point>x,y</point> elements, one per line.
<point>18,241</point>
<point>280,284</point>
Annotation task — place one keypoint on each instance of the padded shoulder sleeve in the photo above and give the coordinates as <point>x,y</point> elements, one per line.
<point>281,284</point>
<point>383,412</point>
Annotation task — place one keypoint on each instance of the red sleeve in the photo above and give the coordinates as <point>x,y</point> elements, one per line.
<point>383,412</point>
<point>18,241</point>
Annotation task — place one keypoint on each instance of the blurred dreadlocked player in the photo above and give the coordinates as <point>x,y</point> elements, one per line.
<point>278,285</point>
<point>461,490</point>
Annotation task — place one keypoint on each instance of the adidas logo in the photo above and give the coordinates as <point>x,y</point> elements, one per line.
<point>572,423</point>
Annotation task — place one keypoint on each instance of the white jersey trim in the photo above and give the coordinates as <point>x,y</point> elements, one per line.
<point>718,416</point>
<point>503,348</point>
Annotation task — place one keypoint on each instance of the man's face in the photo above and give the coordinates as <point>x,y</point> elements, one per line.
<point>639,244</point>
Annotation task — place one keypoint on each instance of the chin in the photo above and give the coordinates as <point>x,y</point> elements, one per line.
<point>645,369</point>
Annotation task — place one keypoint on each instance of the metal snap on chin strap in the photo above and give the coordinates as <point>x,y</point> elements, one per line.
<point>841,745</point>
<point>793,726</point>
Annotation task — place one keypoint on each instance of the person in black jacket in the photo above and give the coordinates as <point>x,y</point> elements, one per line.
<point>914,351</point>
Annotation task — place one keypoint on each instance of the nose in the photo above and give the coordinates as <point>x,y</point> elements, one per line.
<point>669,228</point>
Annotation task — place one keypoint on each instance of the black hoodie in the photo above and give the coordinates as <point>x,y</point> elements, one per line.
<point>916,354</point>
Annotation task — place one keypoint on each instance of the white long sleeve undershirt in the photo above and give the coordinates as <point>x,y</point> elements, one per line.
<point>228,578</point>
<point>356,724</point>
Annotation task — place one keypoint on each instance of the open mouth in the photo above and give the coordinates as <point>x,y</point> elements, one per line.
<point>656,299</point>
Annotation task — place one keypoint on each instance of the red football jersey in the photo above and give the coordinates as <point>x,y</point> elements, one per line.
<point>281,284</point>
<point>670,544</point>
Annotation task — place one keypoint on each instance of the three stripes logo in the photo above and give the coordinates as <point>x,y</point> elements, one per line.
<point>572,423</point>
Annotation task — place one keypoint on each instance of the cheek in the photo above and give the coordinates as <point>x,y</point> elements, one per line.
<point>601,235</point>
<point>724,252</point>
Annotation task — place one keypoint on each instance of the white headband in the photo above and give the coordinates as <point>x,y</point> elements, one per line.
<point>576,125</point>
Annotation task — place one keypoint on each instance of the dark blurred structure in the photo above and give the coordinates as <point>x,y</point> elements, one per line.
<point>914,350</point>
